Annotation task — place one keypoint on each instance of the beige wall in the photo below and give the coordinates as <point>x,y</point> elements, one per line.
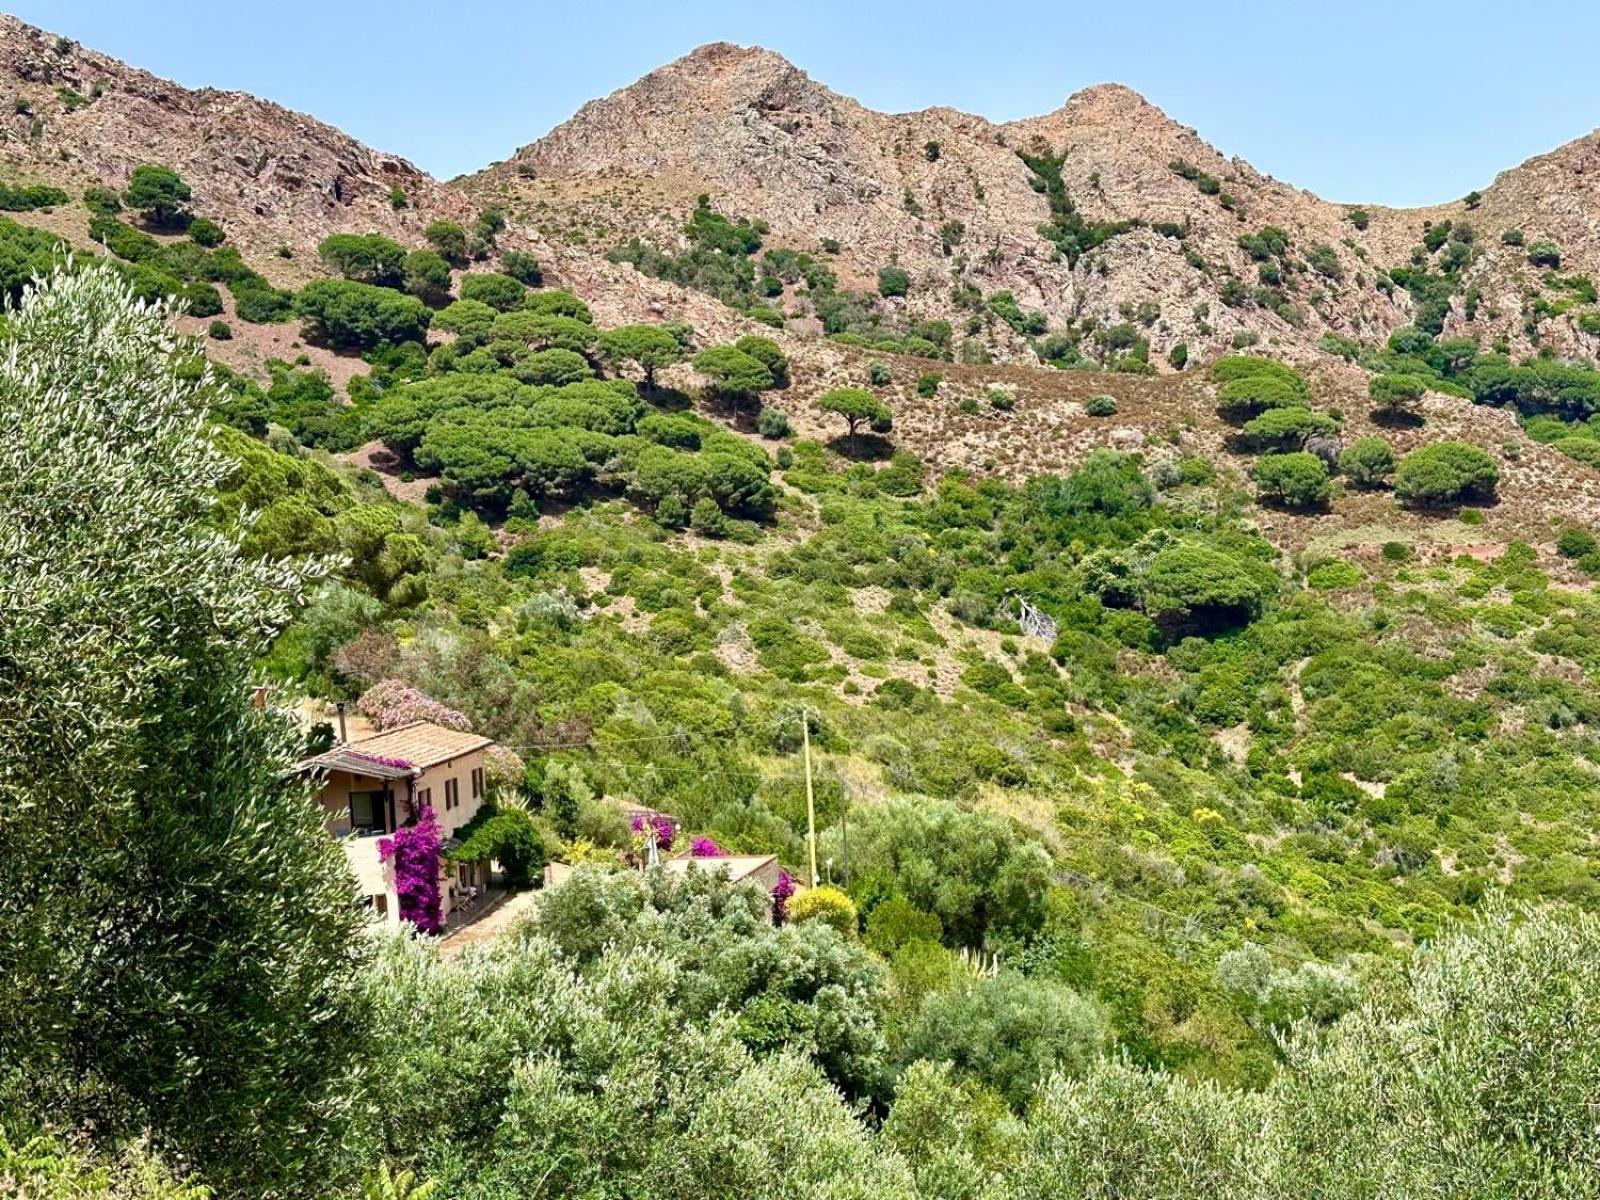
<point>433,781</point>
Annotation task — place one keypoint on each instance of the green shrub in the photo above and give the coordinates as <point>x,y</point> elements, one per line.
<point>928,385</point>
<point>205,232</point>
<point>1334,573</point>
<point>1544,253</point>
<point>101,201</point>
<point>522,266</point>
<point>1581,449</point>
<point>261,304</point>
<point>427,276</point>
<point>1576,543</point>
<point>449,239</point>
<point>772,422</point>
<point>219,331</point>
<point>1367,461</point>
<point>1298,480</point>
<point>893,281</point>
<point>1101,406</point>
<point>1445,471</point>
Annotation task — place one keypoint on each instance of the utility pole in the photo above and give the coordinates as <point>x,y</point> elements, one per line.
<point>844,832</point>
<point>811,800</point>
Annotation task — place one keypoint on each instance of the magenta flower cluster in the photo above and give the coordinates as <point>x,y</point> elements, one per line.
<point>389,703</point>
<point>781,891</point>
<point>384,760</point>
<point>414,850</point>
<point>704,847</point>
<point>665,830</point>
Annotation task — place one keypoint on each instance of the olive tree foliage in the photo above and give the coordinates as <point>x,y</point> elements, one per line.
<point>1009,1031</point>
<point>1474,1079</point>
<point>152,976</point>
<point>613,1047</point>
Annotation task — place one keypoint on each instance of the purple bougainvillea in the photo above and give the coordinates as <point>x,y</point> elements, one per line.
<point>414,850</point>
<point>665,830</point>
<point>389,703</point>
<point>781,891</point>
<point>383,760</point>
<point>704,847</point>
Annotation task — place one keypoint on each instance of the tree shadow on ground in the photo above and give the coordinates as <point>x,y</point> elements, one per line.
<point>868,447</point>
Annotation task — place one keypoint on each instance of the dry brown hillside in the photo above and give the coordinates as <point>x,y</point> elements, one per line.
<point>767,141</point>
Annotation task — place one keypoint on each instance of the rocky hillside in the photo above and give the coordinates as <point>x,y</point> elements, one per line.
<point>1134,224</point>
<point>272,176</point>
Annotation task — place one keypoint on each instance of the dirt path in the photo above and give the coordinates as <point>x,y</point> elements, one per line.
<point>496,921</point>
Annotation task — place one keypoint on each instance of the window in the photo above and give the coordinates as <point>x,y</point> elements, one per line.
<point>367,812</point>
<point>380,904</point>
<point>477,783</point>
<point>452,794</point>
<point>424,797</point>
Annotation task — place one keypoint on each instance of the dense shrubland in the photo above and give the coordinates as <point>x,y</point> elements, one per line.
<point>1131,911</point>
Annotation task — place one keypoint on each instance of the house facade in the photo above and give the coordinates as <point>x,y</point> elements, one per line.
<point>374,785</point>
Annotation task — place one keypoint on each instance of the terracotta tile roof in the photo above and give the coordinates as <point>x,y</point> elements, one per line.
<point>422,744</point>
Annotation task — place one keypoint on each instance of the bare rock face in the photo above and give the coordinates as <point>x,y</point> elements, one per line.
<point>764,140</point>
<point>945,195</point>
<point>272,177</point>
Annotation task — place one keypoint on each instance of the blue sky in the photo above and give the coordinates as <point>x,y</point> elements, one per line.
<point>1396,103</point>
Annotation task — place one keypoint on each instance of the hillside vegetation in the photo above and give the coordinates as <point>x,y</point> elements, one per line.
<point>1203,743</point>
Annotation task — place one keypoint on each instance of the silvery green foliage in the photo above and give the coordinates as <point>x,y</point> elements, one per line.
<point>1475,1081</point>
<point>179,944</point>
<point>569,1080</point>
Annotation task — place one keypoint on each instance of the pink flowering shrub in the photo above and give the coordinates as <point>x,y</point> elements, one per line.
<point>414,850</point>
<point>503,769</point>
<point>662,824</point>
<point>704,847</point>
<point>389,703</point>
<point>781,891</point>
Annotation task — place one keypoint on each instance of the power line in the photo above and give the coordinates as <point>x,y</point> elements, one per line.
<point>591,741</point>
<point>1067,875</point>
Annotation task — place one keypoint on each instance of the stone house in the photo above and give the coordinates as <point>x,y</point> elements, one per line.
<point>375,784</point>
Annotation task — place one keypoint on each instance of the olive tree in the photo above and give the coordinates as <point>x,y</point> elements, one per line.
<point>152,975</point>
